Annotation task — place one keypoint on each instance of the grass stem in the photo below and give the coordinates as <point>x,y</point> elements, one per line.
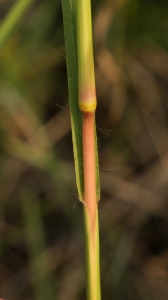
<point>88,124</point>
<point>90,206</point>
<point>87,105</point>
<point>81,79</point>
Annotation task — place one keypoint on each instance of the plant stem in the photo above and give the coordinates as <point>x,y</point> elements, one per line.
<point>87,106</point>
<point>81,82</point>
<point>92,259</point>
<point>90,208</point>
<point>88,123</point>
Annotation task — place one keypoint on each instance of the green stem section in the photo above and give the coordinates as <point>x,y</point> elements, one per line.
<point>86,76</point>
<point>90,206</point>
<point>92,258</point>
<point>12,19</point>
<point>81,83</point>
<point>87,105</point>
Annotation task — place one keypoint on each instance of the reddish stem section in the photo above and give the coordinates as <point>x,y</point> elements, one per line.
<point>88,127</point>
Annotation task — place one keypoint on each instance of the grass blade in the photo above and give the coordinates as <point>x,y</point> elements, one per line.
<point>69,16</point>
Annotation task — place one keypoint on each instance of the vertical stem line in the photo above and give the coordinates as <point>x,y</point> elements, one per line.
<point>87,105</point>
<point>92,258</point>
<point>86,76</point>
<point>90,206</point>
<point>88,123</point>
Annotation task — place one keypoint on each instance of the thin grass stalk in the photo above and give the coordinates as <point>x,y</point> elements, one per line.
<point>87,106</point>
<point>90,209</point>
<point>81,82</point>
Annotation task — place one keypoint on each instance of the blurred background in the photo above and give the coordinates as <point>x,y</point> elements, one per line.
<point>41,220</point>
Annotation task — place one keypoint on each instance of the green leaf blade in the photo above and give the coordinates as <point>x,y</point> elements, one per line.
<point>69,12</point>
